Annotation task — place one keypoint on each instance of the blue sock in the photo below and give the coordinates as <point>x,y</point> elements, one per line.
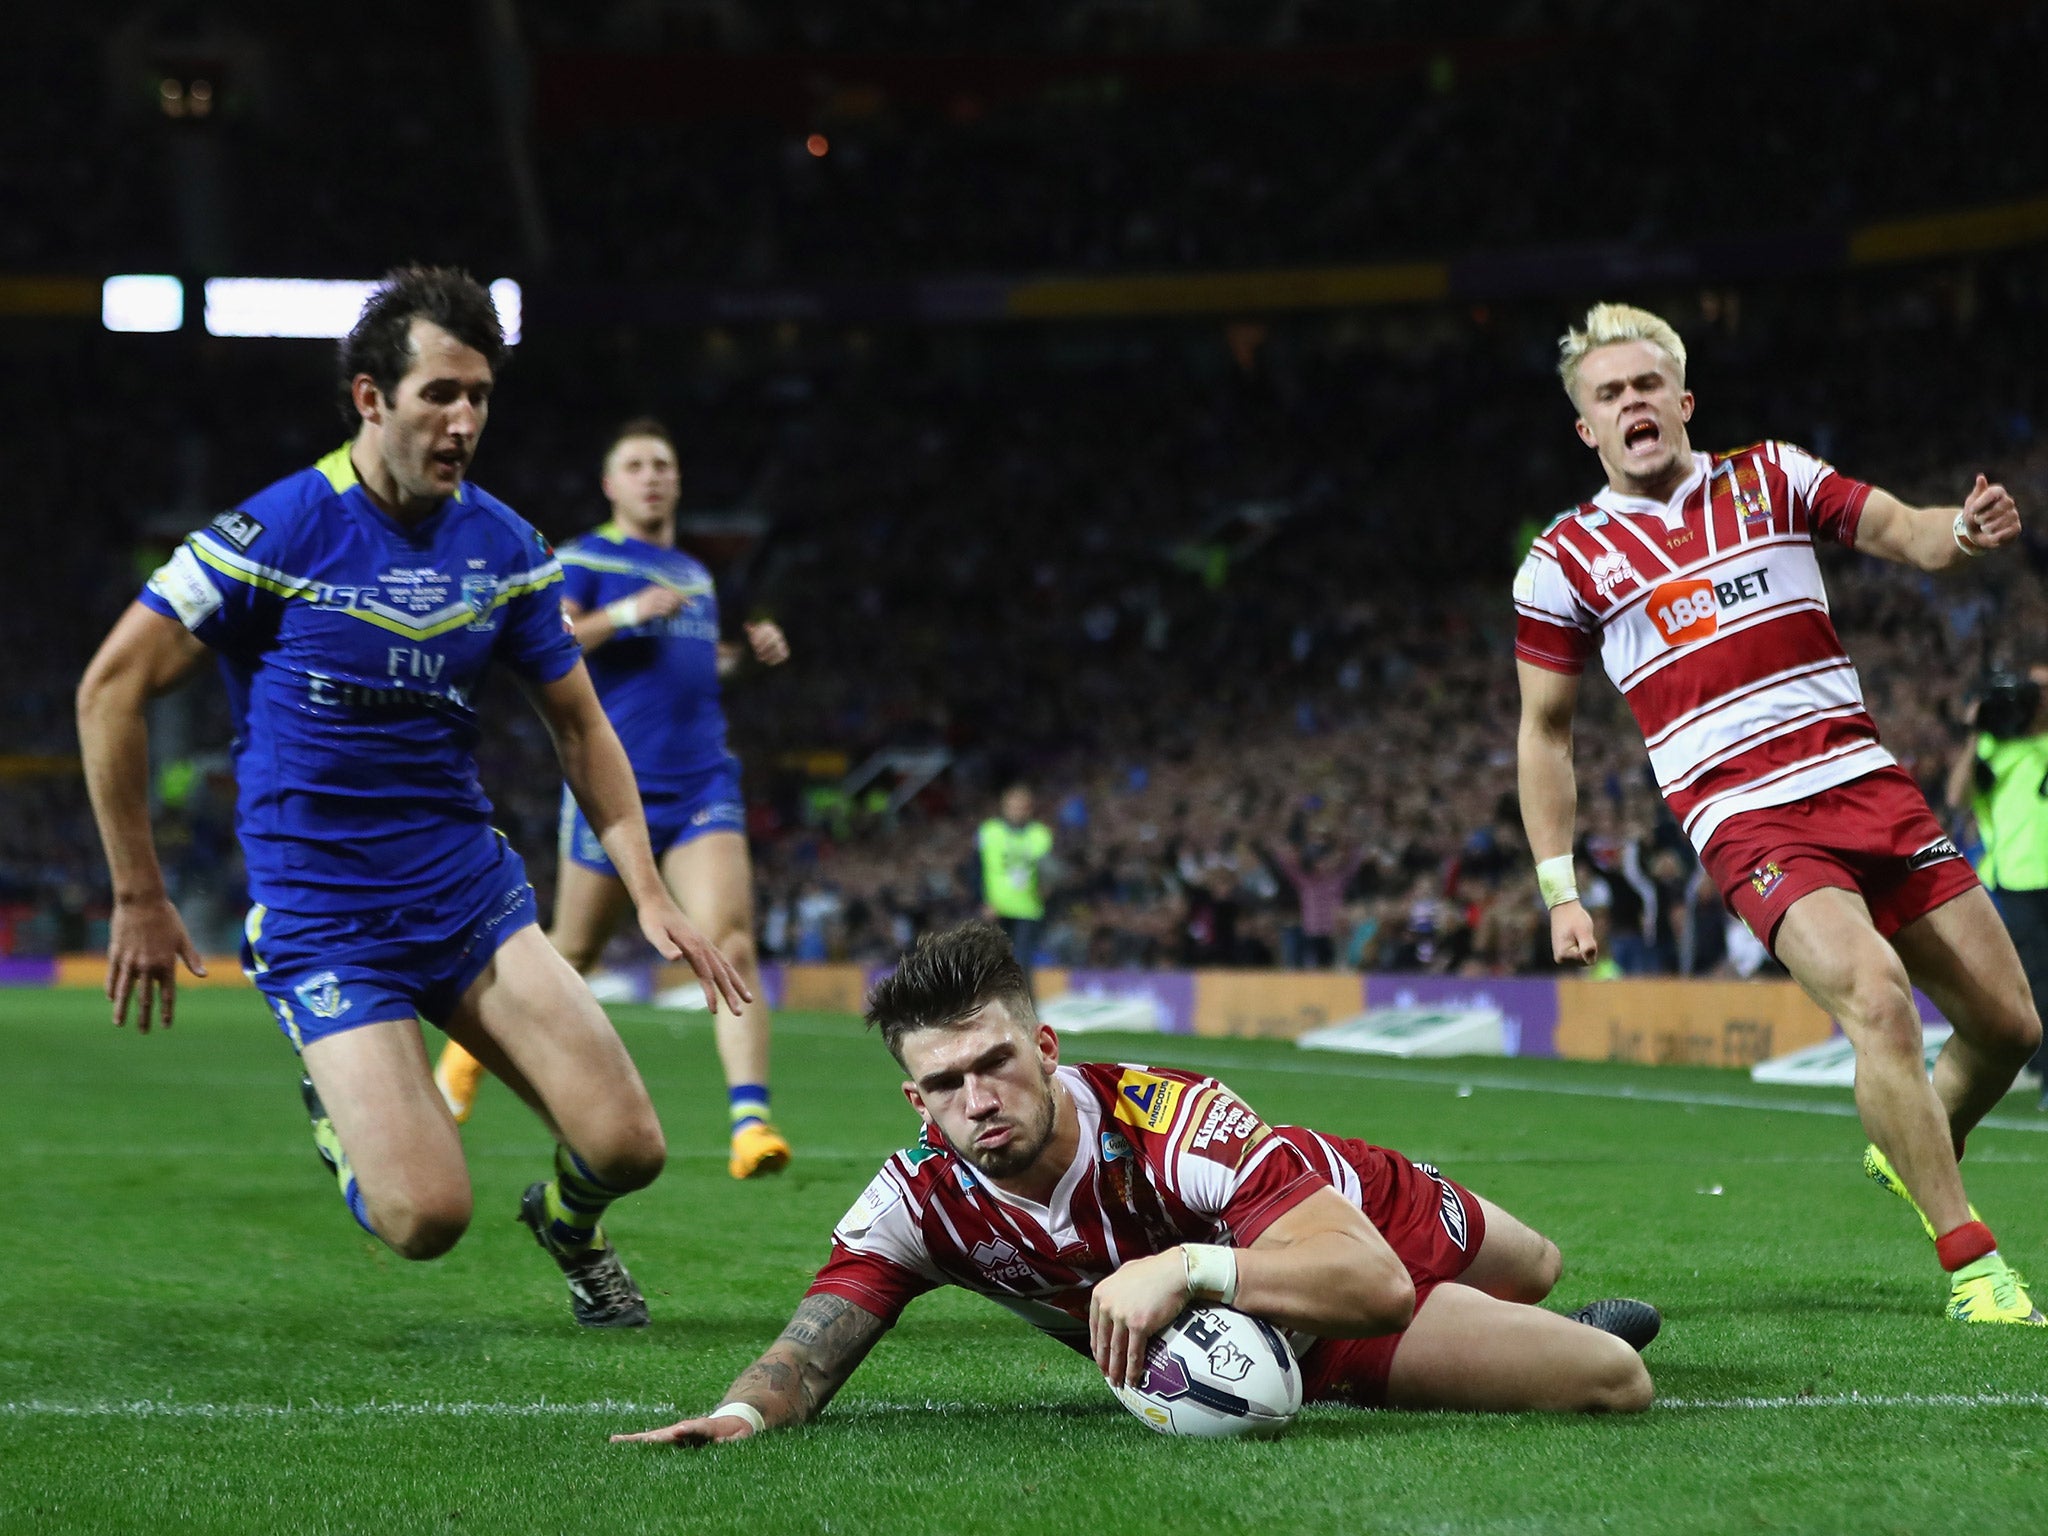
<point>749,1105</point>
<point>353,1194</point>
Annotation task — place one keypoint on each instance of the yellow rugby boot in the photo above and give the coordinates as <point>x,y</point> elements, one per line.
<point>457,1075</point>
<point>757,1149</point>
<point>1992,1291</point>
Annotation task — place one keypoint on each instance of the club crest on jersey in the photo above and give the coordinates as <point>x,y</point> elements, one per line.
<point>1751,495</point>
<point>480,596</point>
<point>1610,571</point>
<point>321,996</point>
<point>1765,879</point>
<point>1147,1101</point>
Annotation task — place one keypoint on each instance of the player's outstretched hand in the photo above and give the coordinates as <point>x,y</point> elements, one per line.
<point>1128,1308</point>
<point>144,946</point>
<point>673,936</point>
<point>1990,516</point>
<point>1571,934</point>
<point>692,1432</point>
<point>770,645</point>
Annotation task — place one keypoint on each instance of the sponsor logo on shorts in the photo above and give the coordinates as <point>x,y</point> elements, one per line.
<point>321,996</point>
<point>1764,879</point>
<point>1449,1208</point>
<point>238,528</point>
<point>1941,848</point>
<point>718,811</point>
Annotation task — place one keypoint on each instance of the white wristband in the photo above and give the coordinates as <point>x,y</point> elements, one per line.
<point>1211,1270</point>
<point>1961,529</point>
<point>624,613</point>
<point>745,1411</point>
<point>1554,877</point>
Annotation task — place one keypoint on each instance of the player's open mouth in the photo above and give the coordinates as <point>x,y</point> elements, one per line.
<point>1640,433</point>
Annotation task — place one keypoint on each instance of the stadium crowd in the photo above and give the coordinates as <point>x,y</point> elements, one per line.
<point>1232,598</point>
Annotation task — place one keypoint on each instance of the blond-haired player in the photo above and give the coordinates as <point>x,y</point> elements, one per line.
<point>646,618</point>
<point>1694,577</point>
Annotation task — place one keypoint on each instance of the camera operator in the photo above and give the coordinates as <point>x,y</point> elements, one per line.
<point>2001,777</point>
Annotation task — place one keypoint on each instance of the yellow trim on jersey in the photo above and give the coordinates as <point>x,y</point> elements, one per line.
<point>1146,1100</point>
<point>442,621</point>
<point>339,469</point>
<point>627,567</point>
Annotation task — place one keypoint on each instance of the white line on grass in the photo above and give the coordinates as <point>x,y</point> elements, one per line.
<point>162,1408</point>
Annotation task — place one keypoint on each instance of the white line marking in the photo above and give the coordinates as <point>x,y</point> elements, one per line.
<point>1864,1400</point>
<point>162,1408</point>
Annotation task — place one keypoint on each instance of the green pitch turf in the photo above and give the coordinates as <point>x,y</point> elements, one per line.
<point>197,1338</point>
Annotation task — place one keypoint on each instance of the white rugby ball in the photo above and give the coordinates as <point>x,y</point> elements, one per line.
<point>1214,1371</point>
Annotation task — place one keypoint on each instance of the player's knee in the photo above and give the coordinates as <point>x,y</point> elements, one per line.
<point>633,1153</point>
<point>1618,1382</point>
<point>1542,1275</point>
<point>1390,1300</point>
<point>423,1226</point>
<point>737,945</point>
<point>1880,1017</point>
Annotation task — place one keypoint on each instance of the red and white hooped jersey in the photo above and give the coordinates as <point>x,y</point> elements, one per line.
<point>1710,615</point>
<point>1164,1157</point>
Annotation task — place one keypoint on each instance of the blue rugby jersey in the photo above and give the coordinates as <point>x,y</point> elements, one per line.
<point>658,680</point>
<point>353,649</point>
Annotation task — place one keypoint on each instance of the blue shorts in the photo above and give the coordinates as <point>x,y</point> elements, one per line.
<point>324,973</point>
<point>705,802</point>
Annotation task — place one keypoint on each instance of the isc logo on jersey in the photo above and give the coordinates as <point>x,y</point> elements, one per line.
<point>1147,1101</point>
<point>1689,610</point>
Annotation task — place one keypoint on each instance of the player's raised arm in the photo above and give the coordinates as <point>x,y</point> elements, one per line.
<point>1550,803</point>
<point>1938,538</point>
<point>144,655</point>
<point>602,780</point>
<point>596,626</point>
<point>791,1383</point>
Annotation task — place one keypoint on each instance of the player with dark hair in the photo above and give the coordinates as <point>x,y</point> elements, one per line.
<point>646,617</point>
<point>355,608</point>
<point>1097,1201</point>
<point>1694,578</point>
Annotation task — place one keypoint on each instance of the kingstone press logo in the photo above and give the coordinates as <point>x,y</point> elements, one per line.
<point>321,996</point>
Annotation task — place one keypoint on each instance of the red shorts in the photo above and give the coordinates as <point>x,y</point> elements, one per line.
<point>1436,1226</point>
<point>1874,835</point>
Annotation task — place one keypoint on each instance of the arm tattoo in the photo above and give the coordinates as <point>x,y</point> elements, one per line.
<point>793,1381</point>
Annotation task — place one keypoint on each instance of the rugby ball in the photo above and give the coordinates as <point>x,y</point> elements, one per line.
<point>1214,1371</point>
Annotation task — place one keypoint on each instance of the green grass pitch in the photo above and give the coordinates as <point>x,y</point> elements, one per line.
<point>197,1337</point>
